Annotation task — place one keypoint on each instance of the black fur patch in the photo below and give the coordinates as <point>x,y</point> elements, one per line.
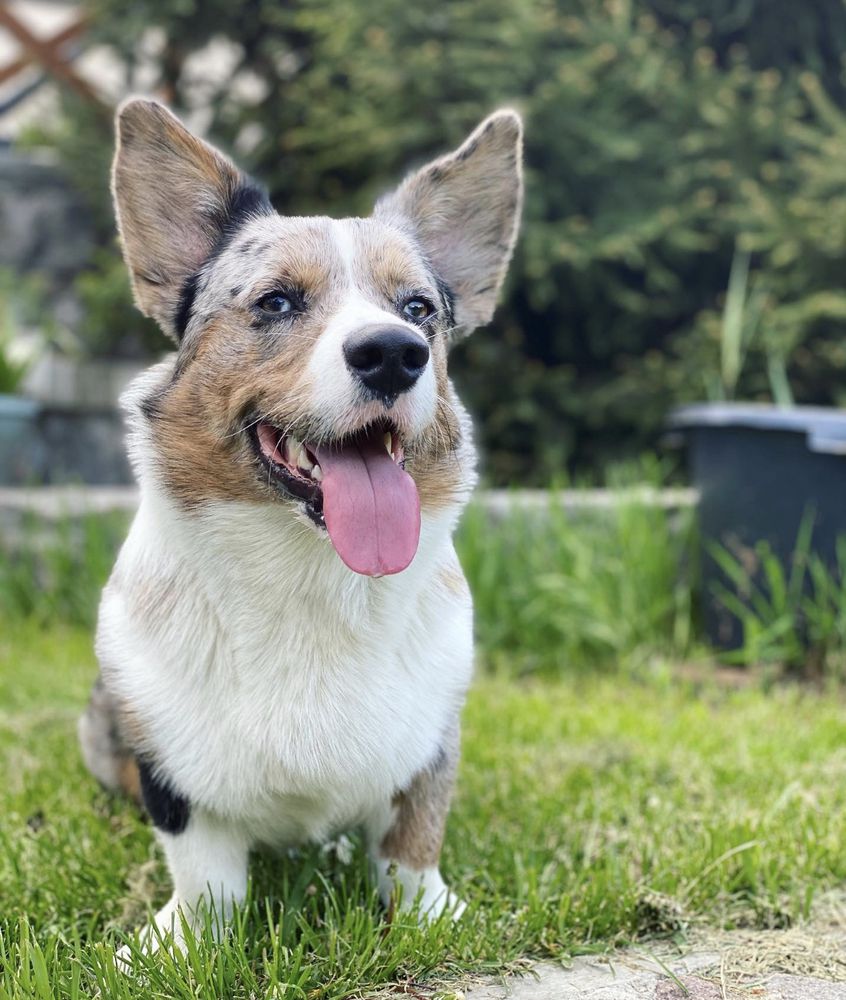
<point>185,305</point>
<point>168,810</point>
<point>149,406</point>
<point>247,201</point>
<point>448,299</point>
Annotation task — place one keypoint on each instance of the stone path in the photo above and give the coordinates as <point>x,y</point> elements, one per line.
<point>807,962</point>
<point>637,977</point>
<point>804,962</point>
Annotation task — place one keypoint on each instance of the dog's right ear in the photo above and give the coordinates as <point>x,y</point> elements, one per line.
<point>464,210</point>
<point>176,198</point>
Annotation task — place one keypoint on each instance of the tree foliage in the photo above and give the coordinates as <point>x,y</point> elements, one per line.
<point>662,138</point>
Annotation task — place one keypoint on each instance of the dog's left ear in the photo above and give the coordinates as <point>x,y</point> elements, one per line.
<point>464,210</point>
<point>176,197</point>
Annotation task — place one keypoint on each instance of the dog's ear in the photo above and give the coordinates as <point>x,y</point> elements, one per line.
<point>464,210</point>
<point>175,199</point>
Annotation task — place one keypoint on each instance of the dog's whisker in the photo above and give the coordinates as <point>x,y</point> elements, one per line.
<point>241,430</point>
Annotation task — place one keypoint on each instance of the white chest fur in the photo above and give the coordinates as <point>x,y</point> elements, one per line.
<point>271,684</point>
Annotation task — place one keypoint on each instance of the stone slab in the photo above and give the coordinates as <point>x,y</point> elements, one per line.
<point>631,976</point>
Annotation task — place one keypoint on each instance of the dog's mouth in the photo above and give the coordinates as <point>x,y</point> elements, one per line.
<point>356,487</point>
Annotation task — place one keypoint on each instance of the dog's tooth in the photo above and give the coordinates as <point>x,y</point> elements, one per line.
<point>291,451</point>
<point>303,461</point>
<point>317,473</point>
<point>389,442</point>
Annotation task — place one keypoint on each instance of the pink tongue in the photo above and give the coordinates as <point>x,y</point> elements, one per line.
<point>371,506</point>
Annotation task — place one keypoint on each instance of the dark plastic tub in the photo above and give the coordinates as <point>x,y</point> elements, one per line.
<point>758,469</point>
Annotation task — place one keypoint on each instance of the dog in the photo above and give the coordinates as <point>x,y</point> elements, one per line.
<point>285,642</point>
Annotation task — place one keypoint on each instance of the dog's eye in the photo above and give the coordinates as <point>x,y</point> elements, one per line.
<point>417,310</point>
<point>276,303</point>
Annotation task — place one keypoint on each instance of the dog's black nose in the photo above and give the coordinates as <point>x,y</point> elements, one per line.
<point>387,360</point>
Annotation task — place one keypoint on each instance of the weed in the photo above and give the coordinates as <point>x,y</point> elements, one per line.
<point>793,614</point>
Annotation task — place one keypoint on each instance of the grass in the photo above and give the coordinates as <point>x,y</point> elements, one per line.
<point>557,591</point>
<point>590,811</point>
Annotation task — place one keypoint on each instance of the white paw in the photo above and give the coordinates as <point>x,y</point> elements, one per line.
<point>166,930</point>
<point>123,960</point>
<point>422,892</point>
<point>432,906</point>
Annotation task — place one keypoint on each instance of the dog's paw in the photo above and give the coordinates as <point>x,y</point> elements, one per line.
<point>424,894</point>
<point>124,960</point>
<point>167,930</point>
<point>455,906</point>
<point>433,906</point>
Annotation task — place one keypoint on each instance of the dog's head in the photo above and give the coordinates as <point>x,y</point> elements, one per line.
<point>311,364</point>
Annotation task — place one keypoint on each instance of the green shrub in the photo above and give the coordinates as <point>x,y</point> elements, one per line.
<point>104,294</point>
<point>19,300</point>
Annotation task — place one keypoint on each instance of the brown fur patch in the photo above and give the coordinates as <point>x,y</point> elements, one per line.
<point>416,837</point>
<point>109,736</point>
<point>132,730</point>
<point>197,429</point>
<point>453,579</point>
<point>389,261</point>
<point>130,779</point>
<point>444,465</point>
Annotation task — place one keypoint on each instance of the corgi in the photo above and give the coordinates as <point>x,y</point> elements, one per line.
<point>285,642</point>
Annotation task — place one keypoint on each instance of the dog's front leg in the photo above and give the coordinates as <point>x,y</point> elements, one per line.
<point>207,859</point>
<point>405,838</point>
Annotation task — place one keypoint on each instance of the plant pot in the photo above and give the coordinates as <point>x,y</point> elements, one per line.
<point>759,470</point>
<point>18,444</point>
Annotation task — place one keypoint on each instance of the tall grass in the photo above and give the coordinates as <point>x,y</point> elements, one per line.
<point>792,615</point>
<point>555,591</point>
<point>53,571</point>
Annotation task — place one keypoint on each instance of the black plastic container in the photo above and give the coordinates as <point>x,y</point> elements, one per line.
<point>758,469</point>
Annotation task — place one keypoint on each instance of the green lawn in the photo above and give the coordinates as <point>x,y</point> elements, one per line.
<point>590,811</point>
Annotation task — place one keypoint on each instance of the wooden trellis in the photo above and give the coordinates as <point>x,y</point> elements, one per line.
<point>49,54</point>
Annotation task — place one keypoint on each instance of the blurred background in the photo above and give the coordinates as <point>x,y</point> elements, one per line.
<point>664,139</point>
<point>684,240</point>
